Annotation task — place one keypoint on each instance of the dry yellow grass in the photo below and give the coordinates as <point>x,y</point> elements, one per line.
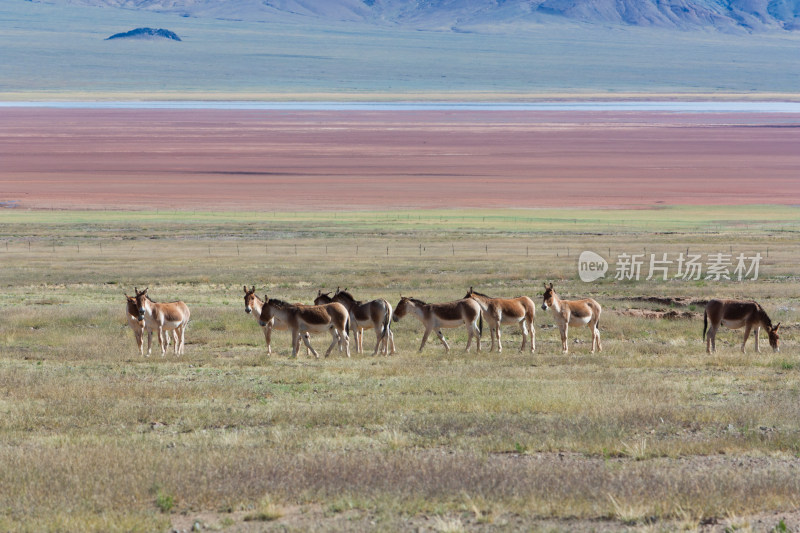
<point>651,430</point>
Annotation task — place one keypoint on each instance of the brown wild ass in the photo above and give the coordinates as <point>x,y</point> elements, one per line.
<point>304,319</point>
<point>573,313</point>
<point>444,315</point>
<point>499,311</point>
<point>375,314</point>
<point>252,303</point>
<point>138,326</point>
<point>163,317</point>
<point>735,314</point>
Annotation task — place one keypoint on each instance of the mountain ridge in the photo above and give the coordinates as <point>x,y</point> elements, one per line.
<point>491,15</point>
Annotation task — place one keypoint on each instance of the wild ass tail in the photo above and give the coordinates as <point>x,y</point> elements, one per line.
<point>387,321</point>
<point>705,323</point>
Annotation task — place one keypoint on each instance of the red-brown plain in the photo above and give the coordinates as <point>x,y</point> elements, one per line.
<point>335,160</point>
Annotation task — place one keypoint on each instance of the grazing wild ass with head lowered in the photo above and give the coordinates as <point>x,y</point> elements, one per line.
<point>499,311</point>
<point>253,304</point>
<point>304,319</point>
<point>375,314</point>
<point>573,313</point>
<point>735,314</point>
<point>445,315</point>
<point>163,317</point>
<point>138,326</point>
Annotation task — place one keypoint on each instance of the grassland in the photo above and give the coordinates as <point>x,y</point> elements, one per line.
<point>652,433</point>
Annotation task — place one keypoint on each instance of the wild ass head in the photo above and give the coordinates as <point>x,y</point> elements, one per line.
<point>249,298</point>
<point>549,296</point>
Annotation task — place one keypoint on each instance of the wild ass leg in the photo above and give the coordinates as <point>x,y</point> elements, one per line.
<point>268,338</point>
<point>757,331</point>
<point>424,338</point>
<point>747,329</point>
<point>140,340</point>
<point>338,338</point>
<point>380,336</point>
<point>597,333</point>
<point>564,344</point>
<point>296,336</point>
<point>710,339</point>
<point>182,336</point>
<point>162,340</point>
<point>149,342</point>
<point>472,331</point>
<point>499,344</point>
<point>524,328</point>
<point>344,338</point>
<point>444,342</point>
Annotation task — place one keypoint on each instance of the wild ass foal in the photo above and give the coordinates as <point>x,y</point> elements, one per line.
<point>163,317</point>
<point>253,303</point>
<point>573,313</point>
<point>736,314</point>
<point>303,319</point>
<point>138,326</point>
<point>499,311</point>
<point>375,314</point>
<point>445,315</point>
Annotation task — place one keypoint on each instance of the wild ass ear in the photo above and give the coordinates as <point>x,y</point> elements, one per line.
<point>776,327</point>
<point>245,289</point>
<point>545,284</point>
<point>551,284</point>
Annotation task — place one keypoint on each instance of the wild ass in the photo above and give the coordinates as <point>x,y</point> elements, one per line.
<point>163,317</point>
<point>303,319</point>
<point>375,314</point>
<point>444,315</point>
<point>573,313</point>
<point>499,311</point>
<point>735,314</point>
<point>252,303</point>
<point>138,326</point>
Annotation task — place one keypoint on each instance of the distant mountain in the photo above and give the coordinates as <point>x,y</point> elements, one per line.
<point>492,15</point>
<point>146,33</point>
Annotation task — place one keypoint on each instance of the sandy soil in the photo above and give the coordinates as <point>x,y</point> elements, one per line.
<point>287,160</point>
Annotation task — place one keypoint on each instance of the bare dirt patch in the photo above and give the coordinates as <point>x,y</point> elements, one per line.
<point>671,314</point>
<point>291,160</point>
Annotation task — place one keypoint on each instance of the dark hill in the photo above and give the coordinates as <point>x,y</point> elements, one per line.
<point>146,33</point>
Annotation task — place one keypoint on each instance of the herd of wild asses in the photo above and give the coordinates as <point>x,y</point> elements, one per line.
<point>341,313</point>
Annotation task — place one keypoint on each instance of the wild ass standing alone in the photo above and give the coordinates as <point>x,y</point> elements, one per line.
<point>331,317</point>
<point>444,315</point>
<point>163,317</point>
<point>375,314</point>
<point>499,311</point>
<point>573,313</point>
<point>138,326</point>
<point>735,314</point>
<point>252,303</point>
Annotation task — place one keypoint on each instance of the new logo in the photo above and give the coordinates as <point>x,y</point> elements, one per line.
<point>591,266</point>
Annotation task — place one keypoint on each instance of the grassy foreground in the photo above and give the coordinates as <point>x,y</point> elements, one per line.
<point>651,433</point>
